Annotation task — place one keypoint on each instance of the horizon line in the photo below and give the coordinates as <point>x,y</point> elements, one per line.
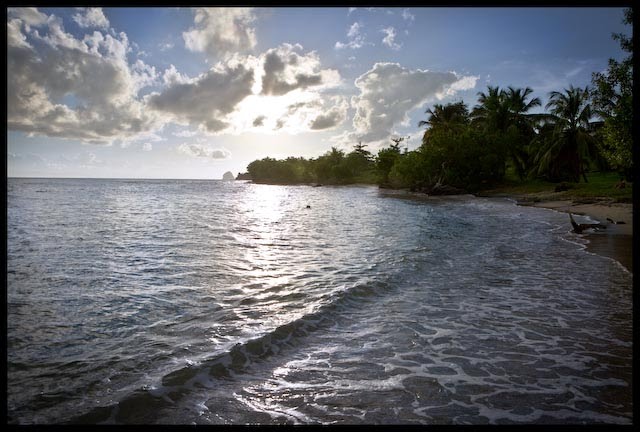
<point>110,178</point>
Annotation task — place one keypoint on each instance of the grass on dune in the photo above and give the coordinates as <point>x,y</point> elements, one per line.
<point>600,185</point>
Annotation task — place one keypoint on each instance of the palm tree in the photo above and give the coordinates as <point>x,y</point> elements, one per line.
<point>492,110</point>
<point>568,145</point>
<point>506,114</point>
<point>519,107</point>
<point>450,116</point>
<point>521,125</point>
<point>445,115</point>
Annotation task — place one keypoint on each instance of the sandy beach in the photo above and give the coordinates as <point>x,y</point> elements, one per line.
<point>616,241</point>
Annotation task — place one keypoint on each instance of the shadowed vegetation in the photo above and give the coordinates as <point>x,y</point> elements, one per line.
<point>333,167</point>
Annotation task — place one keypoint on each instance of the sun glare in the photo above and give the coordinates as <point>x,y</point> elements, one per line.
<point>289,113</point>
<point>265,204</point>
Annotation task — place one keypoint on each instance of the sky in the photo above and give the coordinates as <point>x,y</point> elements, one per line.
<point>195,92</point>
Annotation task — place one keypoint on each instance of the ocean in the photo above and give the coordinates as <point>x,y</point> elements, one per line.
<point>212,302</point>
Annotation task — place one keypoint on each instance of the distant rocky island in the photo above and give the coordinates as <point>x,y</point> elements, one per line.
<point>228,176</point>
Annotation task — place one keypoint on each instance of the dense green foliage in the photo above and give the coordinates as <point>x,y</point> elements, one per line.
<point>461,157</point>
<point>334,167</point>
<point>385,161</point>
<point>601,185</point>
<point>612,99</point>
<point>504,114</point>
<point>566,147</point>
<point>464,150</point>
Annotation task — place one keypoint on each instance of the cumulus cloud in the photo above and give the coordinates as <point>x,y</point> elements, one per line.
<point>206,100</point>
<point>464,83</point>
<point>221,31</point>
<point>332,117</point>
<point>172,76</point>
<point>91,17</point>
<point>203,151</point>
<point>85,87</point>
<point>73,88</point>
<point>15,38</point>
<point>143,75</point>
<point>389,39</point>
<point>242,93</point>
<point>287,94</point>
<point>274,81</point>
<point>355,38</point>
<point>286,70</point>
<point>293,113</point>
<point>317,113</point>
<point>30,16</point>
<point>389,91</point>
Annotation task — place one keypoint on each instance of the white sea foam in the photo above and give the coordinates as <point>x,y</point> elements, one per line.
<point>210,304</point>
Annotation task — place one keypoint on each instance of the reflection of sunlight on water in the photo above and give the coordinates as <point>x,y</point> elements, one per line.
<point>262,209</point>
<point>264,204</point>
<point>354,310</point>
<point>267,246</point>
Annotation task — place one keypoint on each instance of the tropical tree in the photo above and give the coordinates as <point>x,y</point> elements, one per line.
<point>492,111</point>
<point>463,158</point>
<point>386,159</point>
<point>359,161</point>
<point>519,108</point>
<point>329,167</point>
<point>450,116</point>
<point>612,98</point>
<point>520,128</point>
<point>566,147</point>
<point>362,152</point>
<point>504,114</point>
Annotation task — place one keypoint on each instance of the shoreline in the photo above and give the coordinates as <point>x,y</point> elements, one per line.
<point>615,242</point>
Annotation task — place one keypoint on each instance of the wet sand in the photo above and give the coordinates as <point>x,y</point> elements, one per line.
<point>616,241</point>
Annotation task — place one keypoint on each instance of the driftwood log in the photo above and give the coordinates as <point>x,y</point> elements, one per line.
<point>579,228</point>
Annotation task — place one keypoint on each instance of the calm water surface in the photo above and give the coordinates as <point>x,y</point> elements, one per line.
<point>207,302</point>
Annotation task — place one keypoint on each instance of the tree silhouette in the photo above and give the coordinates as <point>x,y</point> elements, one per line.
<point>449,116</point>
<point>567,145</point>
<point>612,98</point>
<point>505,114</point>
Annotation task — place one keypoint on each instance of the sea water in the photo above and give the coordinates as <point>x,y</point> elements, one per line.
<point>210,302</point>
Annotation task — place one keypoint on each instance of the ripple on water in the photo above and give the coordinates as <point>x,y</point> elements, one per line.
<point>207,302</point>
